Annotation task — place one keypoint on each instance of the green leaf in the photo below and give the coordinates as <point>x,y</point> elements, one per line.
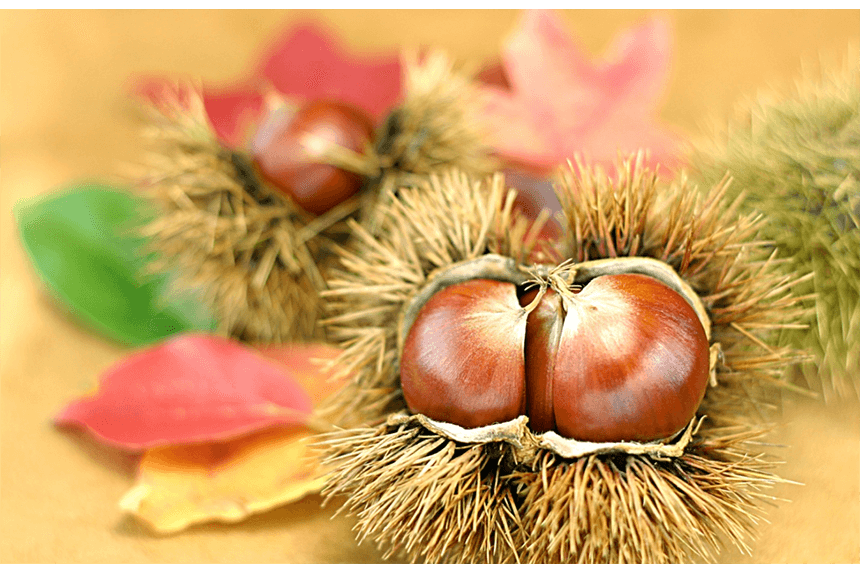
<point>83,245</point>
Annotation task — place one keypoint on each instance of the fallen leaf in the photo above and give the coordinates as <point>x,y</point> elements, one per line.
<point>178,486</point>
<point>309,63</point>
<point>561,104</point>
<point>233,114</point>
<point>192,388</point>
<point>83,246</point>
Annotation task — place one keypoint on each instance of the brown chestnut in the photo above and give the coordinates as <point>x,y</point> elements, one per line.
<point>463,361</point>
<point>290,152</point>
<point>632,363</point>
<point>626,357</point>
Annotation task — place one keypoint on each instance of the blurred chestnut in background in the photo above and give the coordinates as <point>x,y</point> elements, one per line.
<point>291,151</point>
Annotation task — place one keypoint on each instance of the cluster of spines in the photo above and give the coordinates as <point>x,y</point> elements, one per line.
<point>249,252</point>
<point>710,493</point>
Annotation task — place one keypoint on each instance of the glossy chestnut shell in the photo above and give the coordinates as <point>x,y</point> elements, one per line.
<point>290,151</point>
<point>632,361</point>
<point>458,330</point>
<point>626,358</point>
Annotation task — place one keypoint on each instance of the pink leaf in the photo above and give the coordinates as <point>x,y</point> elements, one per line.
<point>193,388</point>
<point>561,104</point>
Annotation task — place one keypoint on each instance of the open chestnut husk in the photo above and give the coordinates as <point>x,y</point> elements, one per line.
<point>621,357</point>
<point>518,491</point>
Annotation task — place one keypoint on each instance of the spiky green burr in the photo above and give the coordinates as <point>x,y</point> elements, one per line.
<point>796,159</point>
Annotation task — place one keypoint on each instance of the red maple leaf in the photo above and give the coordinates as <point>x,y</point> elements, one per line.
<point>561,104</point>
<point>306,63</point>
<point>310,64</point>
<point>191,389</point>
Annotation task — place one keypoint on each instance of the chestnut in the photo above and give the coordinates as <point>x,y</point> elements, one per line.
<point>623,358</point>
<point>632,364</point>
<point>444,367</point>
<point>290,152</point>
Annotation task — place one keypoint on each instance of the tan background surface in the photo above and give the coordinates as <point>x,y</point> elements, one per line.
<point>64,119</point>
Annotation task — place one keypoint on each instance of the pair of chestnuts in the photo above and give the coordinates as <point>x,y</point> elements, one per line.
<point>615,355</point>
<point>290,151</point>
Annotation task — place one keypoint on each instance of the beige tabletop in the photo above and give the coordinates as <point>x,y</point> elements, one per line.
<point>64,118</point>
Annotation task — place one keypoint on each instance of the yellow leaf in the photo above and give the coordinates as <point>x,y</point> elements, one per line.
<point>178,486</point>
